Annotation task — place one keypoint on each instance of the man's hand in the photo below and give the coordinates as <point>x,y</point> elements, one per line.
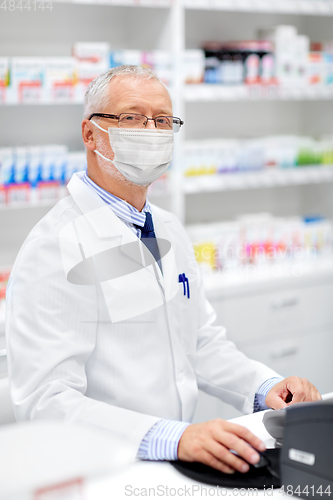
<point>210,443</point>
<point>291,390</point>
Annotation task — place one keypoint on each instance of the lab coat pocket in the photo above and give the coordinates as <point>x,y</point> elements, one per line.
<point>188,315</point>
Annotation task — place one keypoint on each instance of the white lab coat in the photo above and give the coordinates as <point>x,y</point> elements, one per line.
<point>123,353</point>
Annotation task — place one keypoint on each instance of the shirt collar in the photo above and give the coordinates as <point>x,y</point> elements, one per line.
<point>120,207</point>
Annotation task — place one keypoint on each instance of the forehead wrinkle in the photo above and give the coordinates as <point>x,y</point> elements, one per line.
<point>137,108</point>
<point>133,100</point>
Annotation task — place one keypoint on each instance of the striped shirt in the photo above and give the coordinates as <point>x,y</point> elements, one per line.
<point>161,441</point>
<point>126,212</point>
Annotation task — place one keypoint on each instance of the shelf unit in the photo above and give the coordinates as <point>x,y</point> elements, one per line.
<point>211,92</point>
<point>122,3</point>
<point>173,28</point>
<point>239,298</point>
<point>306,7</point>
<point>254,180</point>
<point>208,110</point>
<point>246,282</point>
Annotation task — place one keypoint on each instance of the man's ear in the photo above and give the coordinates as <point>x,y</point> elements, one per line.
<point>88,134</point>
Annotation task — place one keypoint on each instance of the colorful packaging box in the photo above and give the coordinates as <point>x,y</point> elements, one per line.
<point>328,68</point>
<point>59,79</point>
<point>7,166</point>
<point>77,162</point>
<point>193,66</point>
<point>4,79</point>
<point>301,60</point>
<point>91,60</point>
<point>316,73</point>
<point>26,80</point>
<point>162,65</point>
<point>21,155</point>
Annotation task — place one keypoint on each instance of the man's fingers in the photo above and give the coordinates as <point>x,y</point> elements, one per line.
<point>242,441</point>
<point>209,459</point>
<point>312,393</point>
<point>211,443</point>
<point>315,394</point>
<point>230,459</point>
<point>245,435</point>
<point>278,403</point>
<point>297,387</point>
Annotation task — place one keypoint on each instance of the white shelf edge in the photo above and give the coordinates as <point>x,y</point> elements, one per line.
<point>24,206</point>
<point>225,182</point>
<point>50,103</point>
<point>228,284</point>
<point>163,4</point>
<point>216,92</point>
<point>255,180</point>
<point>304,7</point>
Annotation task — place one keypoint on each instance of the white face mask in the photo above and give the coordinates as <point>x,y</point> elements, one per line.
<point>142,156</point>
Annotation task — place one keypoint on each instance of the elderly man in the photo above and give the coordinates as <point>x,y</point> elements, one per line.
<point>107,322</point>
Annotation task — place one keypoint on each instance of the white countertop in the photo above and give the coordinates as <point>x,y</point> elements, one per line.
<point>165,481</point>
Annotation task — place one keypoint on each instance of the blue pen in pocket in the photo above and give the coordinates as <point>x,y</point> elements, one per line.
<point>186,286</point>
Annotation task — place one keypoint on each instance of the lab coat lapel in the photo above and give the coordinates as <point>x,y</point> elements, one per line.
<point>169,279</point>
<point>104,222</point>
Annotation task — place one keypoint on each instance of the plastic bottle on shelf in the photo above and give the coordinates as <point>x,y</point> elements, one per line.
<point>212,62</point>
<point>267,70</point>
<point>301,56</point>
<point>261,242</point>
<point>283,38</point>
<point>193,66</point>
<point>251,61</point>
<point>316,75</point>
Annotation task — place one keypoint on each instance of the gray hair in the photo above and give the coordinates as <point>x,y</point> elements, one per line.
<point>96,96</point>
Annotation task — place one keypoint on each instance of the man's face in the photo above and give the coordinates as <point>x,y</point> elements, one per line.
<point>130,95</point>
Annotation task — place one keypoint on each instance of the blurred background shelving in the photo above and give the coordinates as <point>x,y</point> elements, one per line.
<point>294,305</point>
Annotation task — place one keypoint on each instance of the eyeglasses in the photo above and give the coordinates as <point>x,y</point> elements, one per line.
<point>133,120</point>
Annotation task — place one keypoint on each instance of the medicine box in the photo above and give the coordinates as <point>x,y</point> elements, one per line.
<point>4,79</point>
<point>26,80</point>
<point>59,79</point>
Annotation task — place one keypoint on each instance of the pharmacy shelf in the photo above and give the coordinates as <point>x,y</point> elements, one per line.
<point>256,279</point>
<point>255,180</point>
<point>43,103</point>
<point>306,7</point>
<point>27,205</point>
<point>155,193</point>
<point>34,202</point>
<point>121,3</point>
<point>215,92</point>
<point>219,182</point>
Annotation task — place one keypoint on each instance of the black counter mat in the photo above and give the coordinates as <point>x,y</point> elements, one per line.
<point>254,478</point>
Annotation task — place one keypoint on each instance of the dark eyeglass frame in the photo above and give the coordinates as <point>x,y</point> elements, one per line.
<point>175,119</point>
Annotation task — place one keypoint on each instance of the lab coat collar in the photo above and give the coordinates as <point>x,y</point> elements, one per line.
<point>88,201</point>
<point>107,225</point>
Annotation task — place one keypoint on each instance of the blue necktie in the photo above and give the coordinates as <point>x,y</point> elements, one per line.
<point>148,238</point>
